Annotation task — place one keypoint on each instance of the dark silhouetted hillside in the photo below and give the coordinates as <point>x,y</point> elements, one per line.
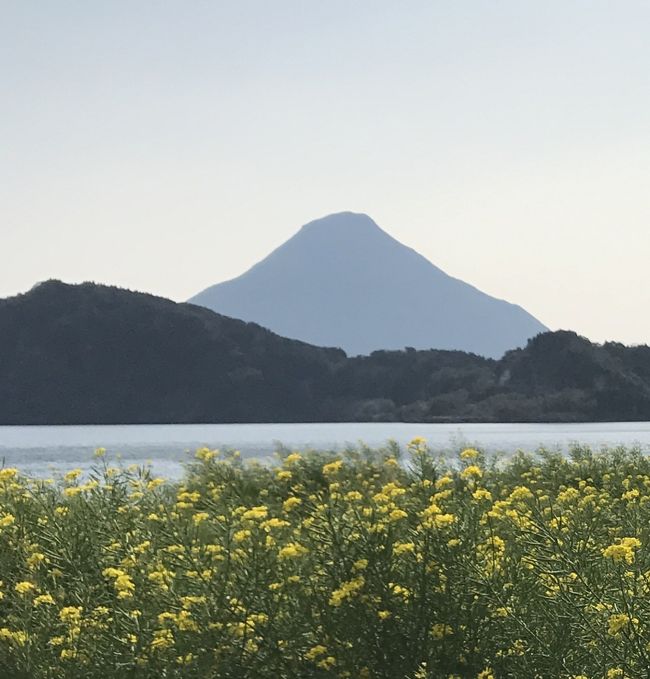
<point>91,353</point>
<point>342,281</point>
<point>73,354</point>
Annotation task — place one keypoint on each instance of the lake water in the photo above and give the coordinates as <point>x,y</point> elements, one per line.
<point>40,451</point>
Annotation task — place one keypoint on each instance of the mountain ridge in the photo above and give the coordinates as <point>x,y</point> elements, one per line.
<point>94,354</point>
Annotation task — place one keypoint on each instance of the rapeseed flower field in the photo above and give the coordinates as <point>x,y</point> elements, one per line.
<point>359,565</point>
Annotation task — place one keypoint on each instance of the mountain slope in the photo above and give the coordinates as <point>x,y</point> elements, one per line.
<point>342,281</point>
<point>92,354</point>
<point>96,354</point>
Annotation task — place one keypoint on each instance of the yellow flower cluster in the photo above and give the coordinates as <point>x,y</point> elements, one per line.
<point>618,622</point>
<point>346,590</point>
<point>122,582</point>
<point>360,566</point>
<point>623,550</point>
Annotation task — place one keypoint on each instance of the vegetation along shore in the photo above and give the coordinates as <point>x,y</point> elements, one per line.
<point>350,565</point>
<point>93,354</point>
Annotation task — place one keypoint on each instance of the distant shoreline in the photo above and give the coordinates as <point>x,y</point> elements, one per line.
<point>81,354</point>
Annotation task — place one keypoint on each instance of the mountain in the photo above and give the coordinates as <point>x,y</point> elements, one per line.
<point>342,281</point>
<point>93,354</point>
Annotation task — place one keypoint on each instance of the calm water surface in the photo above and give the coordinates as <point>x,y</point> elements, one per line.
<point>40,451</point>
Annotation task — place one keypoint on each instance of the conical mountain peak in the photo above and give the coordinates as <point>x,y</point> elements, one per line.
<point>342,221</point>
<point>343,227</point>
<point>343,281</point>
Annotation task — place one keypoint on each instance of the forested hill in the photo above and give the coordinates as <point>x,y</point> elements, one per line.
<point>97,354</point>
<point>94,354</point>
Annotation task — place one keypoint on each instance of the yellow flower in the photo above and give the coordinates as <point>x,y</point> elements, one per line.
<point>274,523</point>
<point>72,475</point>
<point>189,497</point>
<point>618,622</point>
<point>623,550</point>
<point>520,493</point>
<point>7,474</point>
<point>25,587</point>
<point>71,615</point>
<point>189,601</point>
<point>292,551</point>
<point>327,663</point>
<point>397,515</point>
<point>241,535</point>
<point>346,590</point>
<point>162,639</point>
<point>255,513</point>
<point>68,653</point>
<point>35,559</point>
<point>443,520</point>
<point>7,519</point>
<point>205,454</point>
<point>473,471</point>
<point>44,599</point>
<point>72,491</point>
<point>15,637</point>
<point>398,590</point>
<point>124,586</point>
<point>332,468</point>
<point>315,652</point>
<point>403,547</point>
<point>142,547</point>
<point>290,503</point>
<point>283,475</point>
<point>431,510</point>
<point>469,454</point>
<point>160,578</point>
<point>384,615</point>
<point>199,517</point>
<point>185,623</point>
<point>293,458</point>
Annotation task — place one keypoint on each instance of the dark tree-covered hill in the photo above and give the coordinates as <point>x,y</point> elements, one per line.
<point>73,354</point>
<point>91,353</point>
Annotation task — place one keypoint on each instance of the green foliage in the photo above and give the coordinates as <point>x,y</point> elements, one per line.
<point>353,565</point>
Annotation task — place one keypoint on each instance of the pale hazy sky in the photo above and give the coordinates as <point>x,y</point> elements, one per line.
<point>165,146</point>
